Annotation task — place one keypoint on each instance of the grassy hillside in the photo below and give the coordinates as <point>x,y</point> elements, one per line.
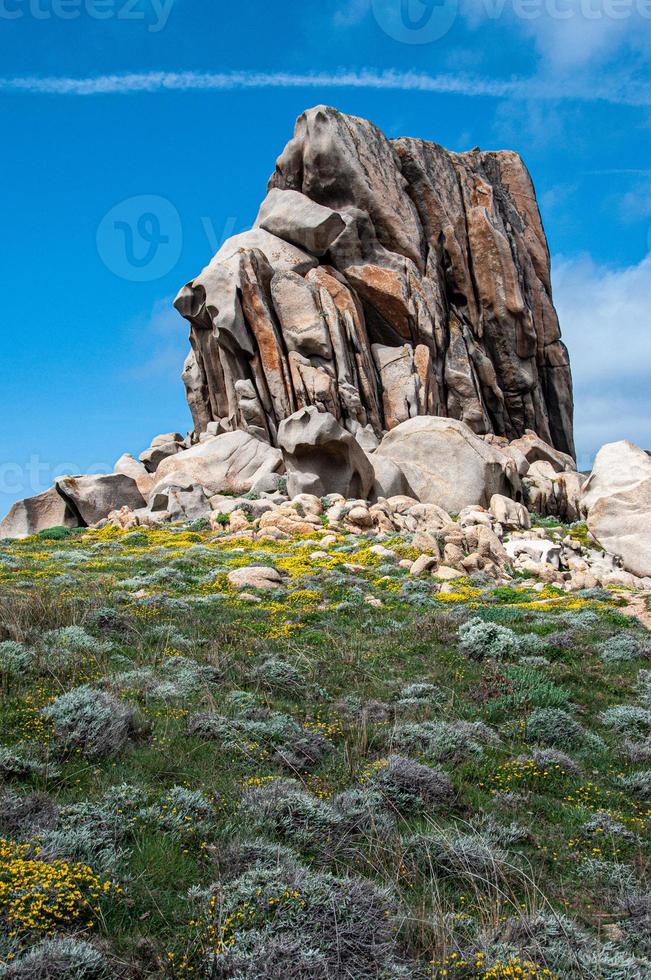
<point>352,776</point>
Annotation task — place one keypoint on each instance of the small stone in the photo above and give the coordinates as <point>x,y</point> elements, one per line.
<point>445,573</point>
<point>372,600</point>
<point>351,567</point>
<point>425,563</point>
<point>359,517</point>
<point>255,577</point>
<point>307,503</point>
<point>382,552</point>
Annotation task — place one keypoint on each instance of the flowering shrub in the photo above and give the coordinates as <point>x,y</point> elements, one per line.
<point>278,675</point>
<point>279,735</point>
<point>15,763</point>
<point>335,926</point>
<point>639,784</point>
<point>182,809</point>
<point>39,896</point>
<point>74,639</point>
<point>623,647</point>
<point>628,719</point>
<point>475,967</point>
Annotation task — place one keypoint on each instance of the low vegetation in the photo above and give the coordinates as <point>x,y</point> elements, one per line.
<point>351,776</point>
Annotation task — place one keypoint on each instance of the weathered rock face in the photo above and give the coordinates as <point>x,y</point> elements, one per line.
<point>446,464</point>
<point>232,462</point>
<point>384,279</point>
<point>37,513</point>
<point>93,498</point>
<point>617,500</point>
<point>321,457</point>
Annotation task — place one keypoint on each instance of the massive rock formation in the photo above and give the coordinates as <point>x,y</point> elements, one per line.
<point>383,279</point>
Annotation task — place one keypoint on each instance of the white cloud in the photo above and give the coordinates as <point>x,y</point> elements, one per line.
<point>623,92</point>
<point>161,340</point>
<point>570,34</point>
<point>605,315</point>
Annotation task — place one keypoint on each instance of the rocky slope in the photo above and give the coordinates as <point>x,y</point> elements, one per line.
<point>385,332</point>
<point>383,279</point>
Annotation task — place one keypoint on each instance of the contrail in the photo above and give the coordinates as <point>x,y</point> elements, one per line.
<point>626,93</point>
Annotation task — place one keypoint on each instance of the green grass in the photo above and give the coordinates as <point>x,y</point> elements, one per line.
<point>344,649</point>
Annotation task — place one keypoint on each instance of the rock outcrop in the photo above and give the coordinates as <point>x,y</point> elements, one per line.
<point>38,513</point>
<point>92,498</point>
<point>617,500</point>
<point>233,462</point>
<point>383,280</point>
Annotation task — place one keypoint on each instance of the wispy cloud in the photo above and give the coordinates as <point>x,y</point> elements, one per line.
<point>625,92</point>
<point>604,315</point>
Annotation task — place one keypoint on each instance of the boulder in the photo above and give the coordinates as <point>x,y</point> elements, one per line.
<point>446,464</point>
<point>152,458</point>
<point>128,465</point>
<point>165,438</point>
<point>390,481</point>
<point>287,520</point>
<point>232,462</point>
<point>255,577</point>
<point>295,218</point>
<point>534,449</point>
<point>92,498</point>
<point>321,457</point>
<point>307,503</point>
<point>38,513</point>
<point>552,494</point>
<point>424,563</point>
<point>509,513</point>
<point>617,501</point>
<point>539,550</point>
<point>182,503</point>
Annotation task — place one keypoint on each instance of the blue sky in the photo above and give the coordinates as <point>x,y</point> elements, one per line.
<point>178,109</point>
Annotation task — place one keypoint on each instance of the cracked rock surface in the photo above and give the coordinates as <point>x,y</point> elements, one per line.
<point>384,279</point>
